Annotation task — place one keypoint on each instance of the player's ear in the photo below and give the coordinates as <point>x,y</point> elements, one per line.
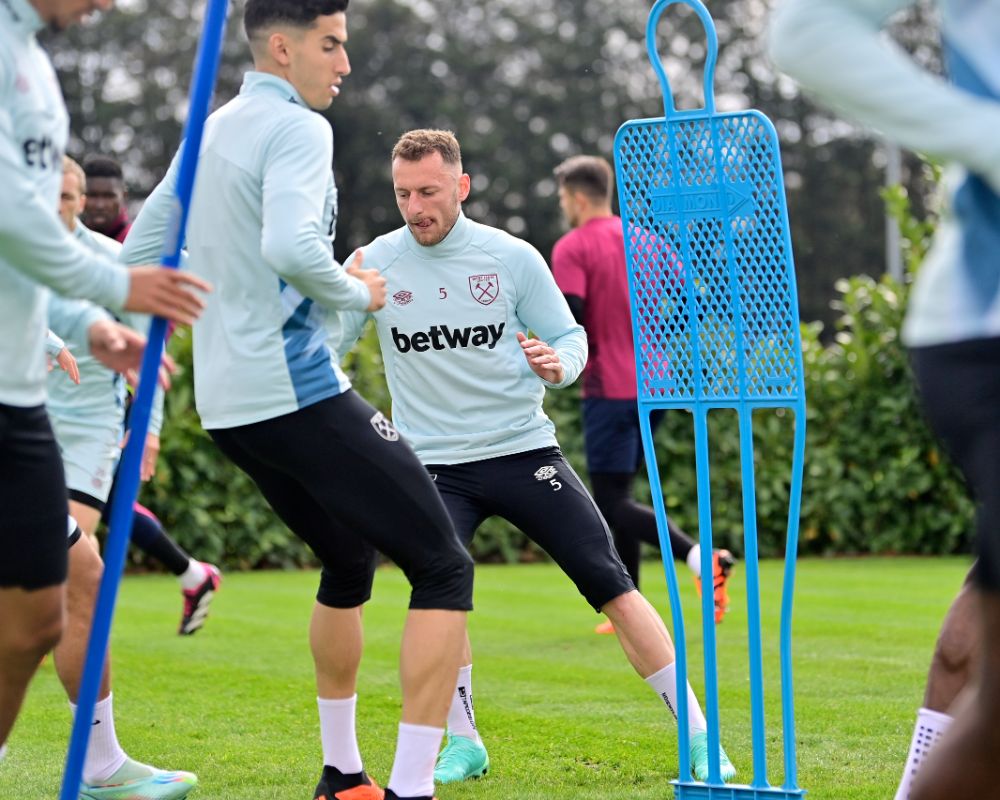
<point>277,48</point>
<point>464,186</point>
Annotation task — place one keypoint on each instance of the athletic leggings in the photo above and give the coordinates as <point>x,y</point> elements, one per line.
<point>633,523</point>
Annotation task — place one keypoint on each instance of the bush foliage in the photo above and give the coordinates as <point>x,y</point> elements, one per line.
<point>875,479</point>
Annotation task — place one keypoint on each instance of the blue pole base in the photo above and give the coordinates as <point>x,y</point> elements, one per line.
<point>695,790</point>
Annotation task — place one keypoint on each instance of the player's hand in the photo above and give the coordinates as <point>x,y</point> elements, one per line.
<point>166,293</point>
<point>150,454</point>
<point>543,360</point>
<point>64,358</point>
<point>371,278</point>
<point>120,348</point>
<point>149,457</point>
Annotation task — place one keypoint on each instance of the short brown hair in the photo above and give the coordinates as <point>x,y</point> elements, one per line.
<point>70,166</point>
<point>414,145</point>
<point>591,175</point>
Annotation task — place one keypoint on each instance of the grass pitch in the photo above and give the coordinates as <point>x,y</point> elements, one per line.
<point>560,710</point>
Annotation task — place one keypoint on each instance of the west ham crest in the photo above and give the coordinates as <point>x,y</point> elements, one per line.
<point>384,428</point>
<point>485,288</point>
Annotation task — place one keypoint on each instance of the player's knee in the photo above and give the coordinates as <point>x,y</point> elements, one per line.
<point>47,635</point>
<point>443,582</point>
<point>85,572</point>
<point>146,529</point>
<point>597,572</point>
<point>954,650</point>
<point>340,588</point>
<point>32,636</point>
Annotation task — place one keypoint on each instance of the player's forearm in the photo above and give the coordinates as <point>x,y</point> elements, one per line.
<point>71,319</point>
<point>34,242</point>
<point>302,260</point>
<point>835,49</point>
<point>53,344</point>
<point>145,240</point>
<point>571,347</point>
<point>156,412</point>
<point>345,329</point>
<point>140,324</point>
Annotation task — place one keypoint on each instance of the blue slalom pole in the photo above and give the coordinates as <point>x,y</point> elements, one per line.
<point>205,69</point>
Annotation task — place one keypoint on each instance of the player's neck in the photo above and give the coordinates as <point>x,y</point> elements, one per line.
<point>271,67</point>
<point>592,212</point>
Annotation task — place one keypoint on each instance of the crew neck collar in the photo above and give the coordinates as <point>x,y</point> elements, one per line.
<point>455,242</point>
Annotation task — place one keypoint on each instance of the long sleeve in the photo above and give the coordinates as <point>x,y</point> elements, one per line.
<point>71,319</point>
<point>293,241</point>
<point>34,241</point>
<point>835,49</point>
<point>144,243</point>
<point>140,324</point>
<point>53,344</point>
<point>346,328</point>
<point>542,307</point>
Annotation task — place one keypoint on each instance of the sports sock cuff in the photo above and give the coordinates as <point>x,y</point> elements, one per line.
<point>193,575</point>
<point>421,730</point>
<point>937,720</point>
<point>694,560</point>
<point>337,702</point>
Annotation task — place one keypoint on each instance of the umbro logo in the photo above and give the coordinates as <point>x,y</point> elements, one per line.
<point>402,297</point>
<point>545,473</point>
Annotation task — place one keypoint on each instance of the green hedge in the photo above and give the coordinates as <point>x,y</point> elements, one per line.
<point>876,482</point>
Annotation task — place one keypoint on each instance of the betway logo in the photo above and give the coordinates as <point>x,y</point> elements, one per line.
<point>441,337</point>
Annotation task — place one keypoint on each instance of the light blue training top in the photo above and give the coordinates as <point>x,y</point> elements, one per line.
<point>836,49</point>
<point>99,400</point>
<point>260,229</point>
<point>461,387</point>
<point>35,247</point>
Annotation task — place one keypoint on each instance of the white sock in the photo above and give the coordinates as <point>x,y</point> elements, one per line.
<point>931,726</point>
<point>193,576</point>
<point>664,683</point>
<point>462,714</point>
<point>3,751</point>
<point>337,731</point>
<point>416,751</point>
<point>104,754</point>
<point>694,560</point>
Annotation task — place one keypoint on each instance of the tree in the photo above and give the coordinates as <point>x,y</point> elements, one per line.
<point>524,84</point>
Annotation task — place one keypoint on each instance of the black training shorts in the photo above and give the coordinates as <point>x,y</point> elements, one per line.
<point>539,492</point>
<point>339,475</point>
<point>33,501</point>
<point>960,388</point>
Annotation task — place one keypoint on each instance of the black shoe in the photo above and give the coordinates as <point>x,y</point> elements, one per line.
<point>391,795</point>
<point>336,785</point>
